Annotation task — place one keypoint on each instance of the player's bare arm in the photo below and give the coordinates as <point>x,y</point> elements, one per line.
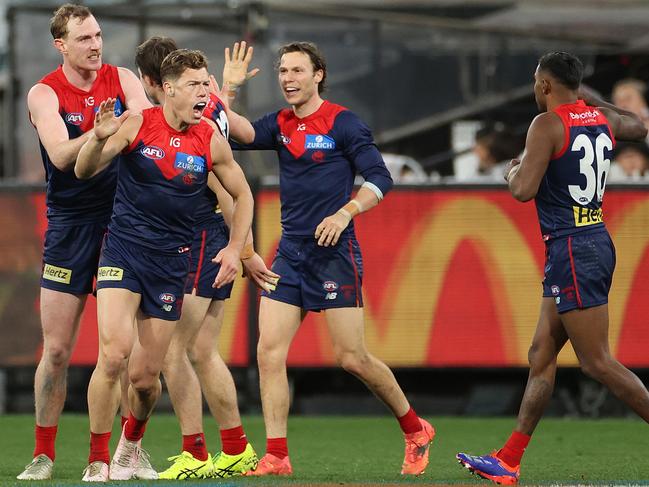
<point>44,111</point>
<point>330,228</point>
<point>136,99</point>
<point>110,136</point>
<point>544,138</point>
<point>233,180</point>
<point>625,125</point>
<point>254,266</point>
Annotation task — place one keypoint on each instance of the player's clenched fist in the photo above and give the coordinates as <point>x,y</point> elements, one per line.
<point>328,231</point>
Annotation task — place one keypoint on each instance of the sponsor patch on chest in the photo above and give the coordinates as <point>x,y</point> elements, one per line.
<point>319,142</point>
<point>190,163</point>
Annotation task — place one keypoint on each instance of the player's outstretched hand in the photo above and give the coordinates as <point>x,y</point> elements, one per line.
<point>235,69</point>
<point>106,123</point>
<point>229,260</point>
<point>255,268</point>
<point>328,231</point>
<point>507,172</point>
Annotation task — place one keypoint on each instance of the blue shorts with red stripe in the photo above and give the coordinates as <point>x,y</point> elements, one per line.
<point>579,269</point>
<point>157,277</point>
<point>70,256</point>
<point>316,278</point>
<point>202,271</point>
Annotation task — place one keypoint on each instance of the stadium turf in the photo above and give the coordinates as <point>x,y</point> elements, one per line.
<point>368,450</point>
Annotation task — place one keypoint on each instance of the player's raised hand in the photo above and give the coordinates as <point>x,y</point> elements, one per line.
<point>255,268</point>
<point>235,69</point>
<point>228,257</point>
<point>220,91</point>
<point>328,231</point>
<point>106,123</point>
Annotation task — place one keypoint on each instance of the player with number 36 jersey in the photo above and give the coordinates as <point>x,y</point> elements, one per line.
<point>564,167</point>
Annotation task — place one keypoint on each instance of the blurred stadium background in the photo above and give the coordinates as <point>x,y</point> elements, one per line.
<point>453,263</point>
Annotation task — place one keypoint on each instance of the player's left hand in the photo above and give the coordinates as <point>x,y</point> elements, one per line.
<point>328,231</point>
<point>220,91</point>
<point>508,168</point>
<point>235,69</point>
<point>228,257</point>
<point>255,268</point>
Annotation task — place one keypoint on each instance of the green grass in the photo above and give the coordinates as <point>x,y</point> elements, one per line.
<point>368,450</point>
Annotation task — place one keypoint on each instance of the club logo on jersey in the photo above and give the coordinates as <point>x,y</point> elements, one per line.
<point>284,139</point>
<point>57,274</point>
<point>152,152</point>
<point>167,298</point>
<point>318,156</point>
<point>555,290</point>
<point>190,163</point>
<point>587,216</point>
<point>319,142</point>
<point>74,118</point>
<point>329,286</point>
<point>110,274</point>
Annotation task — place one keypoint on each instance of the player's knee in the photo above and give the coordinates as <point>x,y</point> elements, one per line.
<point>596,367</point>
<point>111,362</point>
<point>539,356</point>
<point>353,362</point>
<point>57,355</point>
<point>200,354</point>
<point>144,381</point>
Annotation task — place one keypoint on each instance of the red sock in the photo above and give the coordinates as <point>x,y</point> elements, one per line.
<point>409,422</point>
<point>134,429</point>
<point>123,419</point>
<point>277,447</point>
<point>45,438</point>
<point>233,440</point>
<point>513,450</point>
<point>195,444</point>
<point>99,451</point>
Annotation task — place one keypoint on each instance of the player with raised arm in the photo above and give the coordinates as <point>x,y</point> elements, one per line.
<point>167,153</point>
<point>321,146</point>
<point>564,168</point>
<point>193,361</point>
<point>62,107</point>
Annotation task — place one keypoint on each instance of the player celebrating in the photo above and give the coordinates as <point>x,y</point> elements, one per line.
<point>197,331</point>
<point>61,107</point>
<point>564,167</point>
<point>167,154</point>
<point>320,147</point>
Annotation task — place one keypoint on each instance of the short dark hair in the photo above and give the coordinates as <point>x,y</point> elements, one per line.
<point>564,67</point>
<point>176,62</point>
<point>311,50</point>
<point>67,11</point>
<point>150,54</point>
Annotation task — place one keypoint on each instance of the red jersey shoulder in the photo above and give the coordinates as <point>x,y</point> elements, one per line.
<point>580,115</point>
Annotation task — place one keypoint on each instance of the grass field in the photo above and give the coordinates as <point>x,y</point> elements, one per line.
<point>368,450</point>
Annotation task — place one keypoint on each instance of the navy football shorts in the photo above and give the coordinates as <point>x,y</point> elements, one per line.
<point>202,271</point>
<point>159,278</point>
<point>70,257</point>
<point>316,278</point>
<point>579,270</point>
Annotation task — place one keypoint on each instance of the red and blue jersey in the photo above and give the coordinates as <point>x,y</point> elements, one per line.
<point>71,200</point>
<point>570,196</point>
<point>319,156</point>
<point>207,211</point>
<point>162,177</point>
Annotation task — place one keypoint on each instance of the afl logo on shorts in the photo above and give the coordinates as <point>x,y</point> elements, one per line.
<point>74,118</point>
<point>152,152</point>
<point>329,286</point>
<point>167,298</point>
